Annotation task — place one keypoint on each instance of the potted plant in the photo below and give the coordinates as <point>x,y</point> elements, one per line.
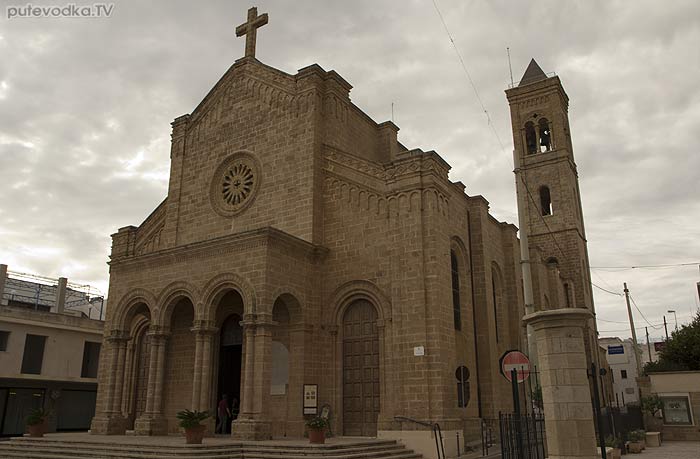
<point>636,441</point>
<point>191,422</point>
<point>36,422</point>
<point>614,443</point>
<point>317,429</point>
<point>652,406</point>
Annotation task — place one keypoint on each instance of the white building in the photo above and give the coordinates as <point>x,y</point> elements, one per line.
<point>620,356</point>
<point>48,358</point>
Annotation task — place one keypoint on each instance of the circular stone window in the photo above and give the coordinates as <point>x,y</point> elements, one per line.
<point>235,184</point>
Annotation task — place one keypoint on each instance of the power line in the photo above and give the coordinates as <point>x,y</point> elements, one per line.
<point>495,132</point>
<point>611,321</point>
<point>643,316</point>
<point>469,77</point>
<point>648,266</point>
<point>606,290</point>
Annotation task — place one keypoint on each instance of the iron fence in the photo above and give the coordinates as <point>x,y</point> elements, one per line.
<point>522,436</point>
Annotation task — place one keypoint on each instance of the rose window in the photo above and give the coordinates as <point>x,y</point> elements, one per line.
<point>237,184</point>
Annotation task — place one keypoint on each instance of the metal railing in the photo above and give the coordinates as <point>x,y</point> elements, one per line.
<point>437,433</point>
<point>522,436</point>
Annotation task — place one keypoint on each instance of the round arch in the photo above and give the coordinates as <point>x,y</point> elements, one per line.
<point>351,291</point>
<point>292,303</point>
<point>169,297</point>
<point>218,286</point>
<point>129,305</point>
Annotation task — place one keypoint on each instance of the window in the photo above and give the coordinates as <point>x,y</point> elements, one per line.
<point>567,294</point>
<point>91,357</point>
<point>530,138</point>
<point>462,375</point>
<point>676,410</point>
<point>545,135</point>
<point>33,354</point>
<point>456,309</point>
<point>494,293</point>
<point>4,336</point>
<point>545,201</point>
<point>623,373</point>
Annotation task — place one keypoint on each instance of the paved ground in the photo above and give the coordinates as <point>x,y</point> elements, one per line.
<point>177,439</point>
<point>671,450</point>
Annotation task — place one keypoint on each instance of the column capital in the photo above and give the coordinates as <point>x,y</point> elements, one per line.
<point>303,327</point>
<point>158,332</point>
<point>116,336</point>
<point>563,317</point>
<point>204,327</point>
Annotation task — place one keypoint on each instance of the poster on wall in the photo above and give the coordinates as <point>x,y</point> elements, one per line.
<point>311,399</point>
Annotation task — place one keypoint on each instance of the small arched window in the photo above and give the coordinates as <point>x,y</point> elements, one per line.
<point>456,308</point>
<point>462,375</point>
<point>545,135</point>
<point>545,201</point>
<point>530,138</point>
<point>567,294</point>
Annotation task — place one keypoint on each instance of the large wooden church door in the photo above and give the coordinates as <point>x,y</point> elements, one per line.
<point>360,370</point>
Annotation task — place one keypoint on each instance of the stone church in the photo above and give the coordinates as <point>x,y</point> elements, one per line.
<point>300,243</point>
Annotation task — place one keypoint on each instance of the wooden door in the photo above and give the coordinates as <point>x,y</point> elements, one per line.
<point>360,370</point>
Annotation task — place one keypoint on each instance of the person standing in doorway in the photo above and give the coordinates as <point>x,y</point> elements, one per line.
<point>223,414</point>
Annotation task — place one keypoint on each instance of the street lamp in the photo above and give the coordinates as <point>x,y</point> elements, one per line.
<point>674,317</point>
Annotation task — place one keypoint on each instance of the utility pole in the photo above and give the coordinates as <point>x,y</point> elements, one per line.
<point>665,328</point>
<point>675,317</point>
<point>646,329</point>
<point>634,332</point>
<point>525,265</point>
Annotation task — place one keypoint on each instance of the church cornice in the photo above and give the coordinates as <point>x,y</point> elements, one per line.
<point>236,243</point>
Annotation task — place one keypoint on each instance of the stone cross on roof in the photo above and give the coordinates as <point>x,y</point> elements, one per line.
<point>249,29</point>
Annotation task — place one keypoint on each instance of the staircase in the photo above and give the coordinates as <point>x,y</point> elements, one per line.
<point>66,448</point>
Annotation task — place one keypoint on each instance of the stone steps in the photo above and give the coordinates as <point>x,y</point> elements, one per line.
<point>48,448</point>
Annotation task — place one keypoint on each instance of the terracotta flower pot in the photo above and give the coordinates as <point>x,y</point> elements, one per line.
<point>37,430</point>
<point>194,435</point>
<point>635,447</point>
<point>317,435</point>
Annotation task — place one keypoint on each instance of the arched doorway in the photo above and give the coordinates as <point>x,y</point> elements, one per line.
<point>360,369</point>
<point>136,365</point>
<point>230,351</point>
<point>230,348</point>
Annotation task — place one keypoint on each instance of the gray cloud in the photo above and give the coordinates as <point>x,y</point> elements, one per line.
<point>85,107</point>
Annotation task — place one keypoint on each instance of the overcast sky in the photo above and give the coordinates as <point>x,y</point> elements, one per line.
<point>85,107</point>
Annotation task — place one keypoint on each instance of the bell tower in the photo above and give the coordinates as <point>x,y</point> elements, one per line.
<point>547,187</point>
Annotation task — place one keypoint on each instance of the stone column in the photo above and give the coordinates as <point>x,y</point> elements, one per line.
<point>109,420</point>
<point>253,422</point>
<point>246,402</point>
<point>197,375</point>
<point>152,421</point>
<point>119,376</point>
<point>201,385</point>
<point>128,397</point>
<point>559,336</point>
<point>207,367</point>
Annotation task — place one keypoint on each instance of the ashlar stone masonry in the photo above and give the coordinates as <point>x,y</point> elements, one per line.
<point>301,243</point>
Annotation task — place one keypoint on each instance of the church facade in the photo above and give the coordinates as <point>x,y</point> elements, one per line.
<point>302,247</point>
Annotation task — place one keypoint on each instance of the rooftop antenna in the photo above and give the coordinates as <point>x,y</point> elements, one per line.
<point>392,112</point>
<point>510,67</point>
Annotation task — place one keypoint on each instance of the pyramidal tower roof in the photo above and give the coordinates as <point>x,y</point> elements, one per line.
<point>533,73</point>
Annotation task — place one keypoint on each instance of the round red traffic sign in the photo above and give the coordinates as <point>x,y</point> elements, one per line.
<point>515,360</point>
